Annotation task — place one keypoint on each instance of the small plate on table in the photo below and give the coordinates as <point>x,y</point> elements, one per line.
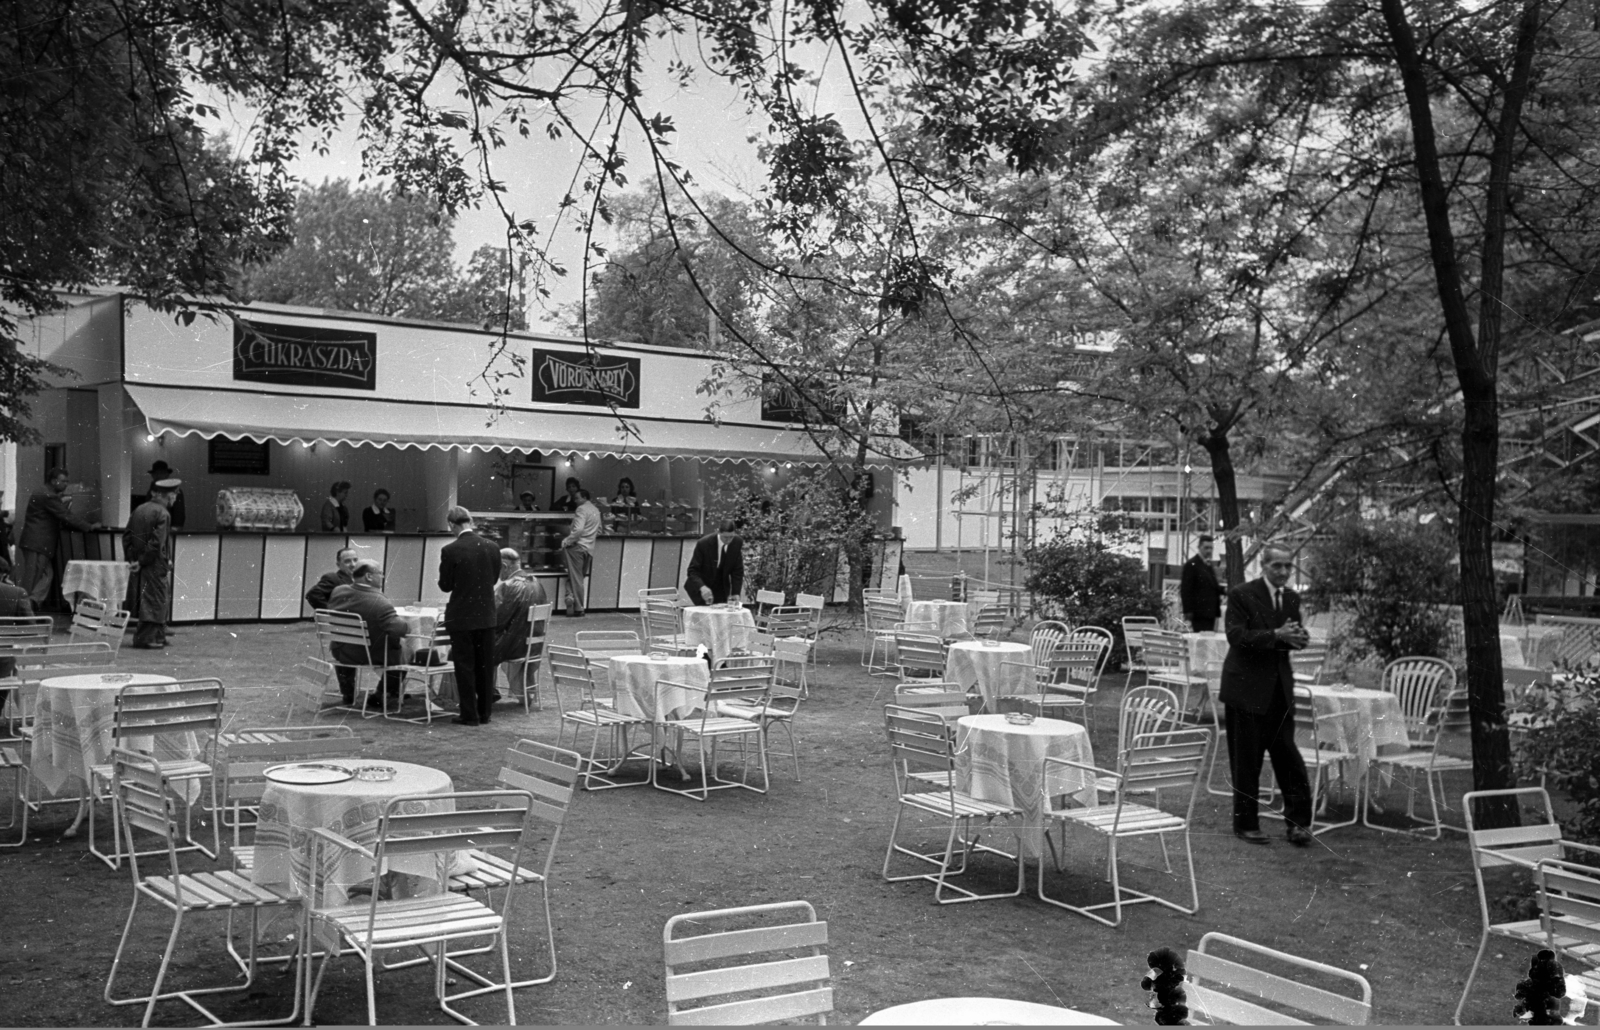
<point>308,773</point>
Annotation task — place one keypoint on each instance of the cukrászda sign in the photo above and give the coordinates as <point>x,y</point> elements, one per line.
<point>569,377</point>
<point>298,355</point>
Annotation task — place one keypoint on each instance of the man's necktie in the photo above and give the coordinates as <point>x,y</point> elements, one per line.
<point>1277,602</point>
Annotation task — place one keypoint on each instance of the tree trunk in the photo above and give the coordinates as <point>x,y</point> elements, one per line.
<point>1216,445</point>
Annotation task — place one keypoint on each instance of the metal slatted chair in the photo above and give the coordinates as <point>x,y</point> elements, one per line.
<point>1569,907</point>
<point>93,620</point>
<point>781,706</point>
<point>735,684</point>
<point>142,794</point>
<point>1318,740</point>
<point>1536,840</point>
<point>990,622</point>
<point>662,623</point>
<point>747,974</point>
<point>1420,683</point>
<point>947,700</point>
<point>533,657</point>
<point>349,629</point>
<point>11,761</point>
<point>415,826</point>
<point>919,654</point>
<point>550,775</point>
<point>19,635</point>
<point>599,646</point>
<point>766,600</point>
<point>1443,744</point>
<point>1224,990</point>
<point>879,617</point>
<point>1308,663</point>
<point>922,753</point>
<point>1145,711</point>
<point>1134,628</point>
<point>146,715</point>
<point>1045,637</point>
<point>430,676</point>
<point>573,679</point>
<point>1154,762</point>
<point>1166,660</point>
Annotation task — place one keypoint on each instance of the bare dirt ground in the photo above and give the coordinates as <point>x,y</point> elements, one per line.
<point>1398,909</point>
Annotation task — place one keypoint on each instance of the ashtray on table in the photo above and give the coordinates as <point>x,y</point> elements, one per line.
<point>116,677</point>
<point>659,656</point>
<point>375,773</point>
<point>1019,718</point>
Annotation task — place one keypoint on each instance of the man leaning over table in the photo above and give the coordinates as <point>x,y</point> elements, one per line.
<point>1257,695</point>
<point>363,595</point>
<point>42,521</point>
<point>716,570</point>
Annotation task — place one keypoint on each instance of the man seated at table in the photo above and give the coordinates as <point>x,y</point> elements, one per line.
<point>716,571</point>
<point>317,596</point>
<point>385,629</point>
<point>513,596</point>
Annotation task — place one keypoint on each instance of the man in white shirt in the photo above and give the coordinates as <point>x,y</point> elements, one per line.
<point>577,547</point>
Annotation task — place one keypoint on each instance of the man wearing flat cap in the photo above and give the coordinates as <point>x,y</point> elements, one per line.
<point>145,543</point>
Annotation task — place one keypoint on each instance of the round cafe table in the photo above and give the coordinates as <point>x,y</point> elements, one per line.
<point>350,808</point>
<point>106,580</point>
<point>421,621</point>
<point>1000,761</point>
<point>1379,726</point>
<point>995,669</point>
<point>949,616</point>
<point>1207,652</point>
<point>636,683</point>
<point>721,628</point>
<point>982,1012</point>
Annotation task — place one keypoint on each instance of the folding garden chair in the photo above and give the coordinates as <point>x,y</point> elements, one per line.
<point>573,678</point>
<point>1244,991</point>
<point>919,654</point>
<point>1133,630</point>
<point>746,974</point>
<point>1441,743</point>
<point>738,685</point>
<point>922,754</point>
<point>879,618</point>
<point>533,657</point>
<point>94,621</point>
<point>779,708</point>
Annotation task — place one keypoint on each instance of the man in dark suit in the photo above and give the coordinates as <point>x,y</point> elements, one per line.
<point>1198,591</point>
<point>145,543</point>
<point>469,567</point>
<point>42,521</point>
<point>317,597</point>
<point>1258,696</point>
<point>716,570</point>
<point>14,603</point>
<point>363,595</point>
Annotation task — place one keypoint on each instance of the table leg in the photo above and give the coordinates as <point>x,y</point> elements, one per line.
<point>83,813</point>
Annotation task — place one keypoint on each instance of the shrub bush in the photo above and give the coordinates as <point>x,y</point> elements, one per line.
<point>1394,579</point>
<point>1086,583</point>
<point>1560,740</point>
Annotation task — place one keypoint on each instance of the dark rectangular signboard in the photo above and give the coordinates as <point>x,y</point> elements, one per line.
<point>809,404</point>
<point>573,377</point>
<point>298,355</point>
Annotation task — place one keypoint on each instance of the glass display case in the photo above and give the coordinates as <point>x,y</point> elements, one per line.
<point>648,519</point>
<point>536,535</point>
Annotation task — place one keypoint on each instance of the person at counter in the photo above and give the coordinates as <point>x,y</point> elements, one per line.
<point>513,596</point>
<point>145,545</point>
<point>716,571</point>
<point>469,568</point>
<point>318,596</point>
<point>158,471</point>
<point>46,515</point>
<point>363,595</point>
<point>335,516</point>
<point>570,501</point>
<point>577,548</point>
<point>526,501</point>
<point>379,518</point>
<point>626,502</point>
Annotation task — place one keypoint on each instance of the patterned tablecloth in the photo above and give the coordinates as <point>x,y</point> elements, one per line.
<point>722,630</point>
<point>951,617</point>
<point>107,580</point>
<point>1378,728</point>
<point>73,717</point>
<point>1002,762</point>
<point>636,684</point>
<point>352,809</point>
<point>974,663</point>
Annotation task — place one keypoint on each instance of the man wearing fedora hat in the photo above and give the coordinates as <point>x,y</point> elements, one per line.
<point>159,471</point>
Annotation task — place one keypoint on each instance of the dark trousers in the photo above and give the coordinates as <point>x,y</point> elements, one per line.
<point>472,652</point>
<point>392,682</point>
<point>1203,623</point>
<point>151,591</point>
<point>1250,734</point>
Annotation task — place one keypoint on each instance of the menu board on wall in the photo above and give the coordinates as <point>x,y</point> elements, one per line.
<point>573,377</point>
<point>299,355</point>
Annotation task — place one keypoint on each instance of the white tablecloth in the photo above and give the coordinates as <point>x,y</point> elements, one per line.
<point>73,717</point>
<point>974,663</point>
<point>951,617</point>
<point>999,761</point>
<point>107,580</point>
<point>1379,726</point>
<point>721,630</point>
<point>350,808</point>
<point>982,1012</point>
<point>1207,652</point>
<point>420,621</point>
<point>636,684</point>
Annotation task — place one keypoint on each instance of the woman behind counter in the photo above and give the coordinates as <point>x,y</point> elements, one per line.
<point>379,517</point>
<point>627,502</point>
<point>335,516</point>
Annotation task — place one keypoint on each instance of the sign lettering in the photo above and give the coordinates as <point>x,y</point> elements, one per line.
<point>299,355</point>
<point>808,404</point>
<point>568,377</point>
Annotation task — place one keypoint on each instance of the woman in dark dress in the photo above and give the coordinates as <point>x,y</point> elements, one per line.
<point>378,517</point>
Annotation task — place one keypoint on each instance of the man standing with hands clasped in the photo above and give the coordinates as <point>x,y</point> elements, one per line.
<point>1258,696</point>
<point>716,571</point>
<point>469,567</point>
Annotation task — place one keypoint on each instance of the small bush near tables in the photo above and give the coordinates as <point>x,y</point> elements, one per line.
<point>1086,583</point>
<point>1394,578</point>
<point>1556,734</point>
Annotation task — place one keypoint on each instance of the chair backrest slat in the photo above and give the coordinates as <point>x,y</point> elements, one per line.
<point>1271,988</point>
<point>773,959</point>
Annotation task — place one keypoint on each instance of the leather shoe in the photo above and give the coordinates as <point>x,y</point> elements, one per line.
<point>1251,836</point>
<point>1299,836</point>
<point>465,722</point>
